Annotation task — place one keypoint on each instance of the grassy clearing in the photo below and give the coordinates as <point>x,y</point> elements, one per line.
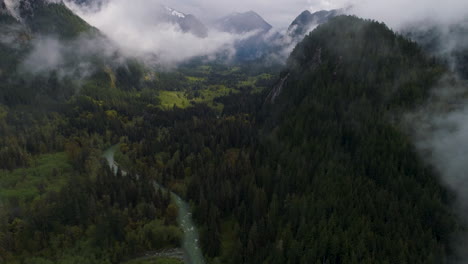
<point>187,99</point>
<point>252,80</point>
<point>171,98</point>
<point>155,261</point>
<point>195,79</point>
<point>48,172</point>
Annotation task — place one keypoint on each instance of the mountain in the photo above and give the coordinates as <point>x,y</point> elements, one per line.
<point>306,21</point>
<point>188,23</point>
<point>336,146</point>
<point>258,42</point>
<point>45,17</point>
<point>43,47</point>
<point>239,23</point>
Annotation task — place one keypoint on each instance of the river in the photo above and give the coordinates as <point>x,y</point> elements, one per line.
<point>190,242</point>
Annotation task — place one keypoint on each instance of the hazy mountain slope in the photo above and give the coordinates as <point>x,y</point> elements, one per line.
<point>188,23</point>
<point>260,35</point>
<point>449,43</point>
<point>46,50</point>
<point>240,23</point>
<point>52,19</point>
<point>305,22</point>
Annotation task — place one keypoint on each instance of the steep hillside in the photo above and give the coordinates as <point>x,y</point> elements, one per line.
<point>48,18</point>
<point>333,178</point>
<point>364,193</point>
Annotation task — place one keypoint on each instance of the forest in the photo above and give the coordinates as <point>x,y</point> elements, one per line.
<point>313,169</point>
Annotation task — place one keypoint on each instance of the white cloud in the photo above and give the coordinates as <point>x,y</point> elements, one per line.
<point>134,26</point>
<point>397,13</point>
<point>71,58</point>
<point>280,13</point>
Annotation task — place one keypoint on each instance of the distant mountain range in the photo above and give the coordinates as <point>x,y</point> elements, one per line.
<point>187,23</point>
<point>54,18</point>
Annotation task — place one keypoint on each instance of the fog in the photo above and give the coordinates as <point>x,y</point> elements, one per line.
<point>440,132</point>
<point>76,58</point>
<point>136,29</point>
<point>398,13</point>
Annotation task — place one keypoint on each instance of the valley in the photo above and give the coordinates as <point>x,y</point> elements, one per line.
<point>333,141</point>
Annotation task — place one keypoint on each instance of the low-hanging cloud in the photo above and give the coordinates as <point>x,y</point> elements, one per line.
<point>440,133</point>
<point>136,29</point>
<point>399,13</point>
<point>74,58</point>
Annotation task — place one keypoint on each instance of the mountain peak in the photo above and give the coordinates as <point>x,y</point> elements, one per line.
<point>243,22</point>
<point>174,12</point>
<point>305,13</point>
<point>187,23</point>
<point>307,20</point>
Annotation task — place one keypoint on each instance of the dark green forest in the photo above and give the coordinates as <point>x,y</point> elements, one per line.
<point>307,163</point>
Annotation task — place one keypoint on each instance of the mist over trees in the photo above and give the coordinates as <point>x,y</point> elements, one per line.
<point>312,161</point>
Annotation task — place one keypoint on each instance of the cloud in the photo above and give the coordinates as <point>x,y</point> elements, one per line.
<point>397,13</point>
<point>281,13</point>
<point>440,131</point>
<point>77,58</point>
<point>137,30</point>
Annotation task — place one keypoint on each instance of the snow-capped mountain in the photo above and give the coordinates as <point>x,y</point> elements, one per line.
<point>187,23</point>
<point>239,23</point>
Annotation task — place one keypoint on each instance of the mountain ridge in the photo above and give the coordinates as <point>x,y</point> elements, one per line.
<point>241,23</point>
<point>305,22</point>
<point>188,23</point>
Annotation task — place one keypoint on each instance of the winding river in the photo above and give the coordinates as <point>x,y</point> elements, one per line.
<point>190,242</point>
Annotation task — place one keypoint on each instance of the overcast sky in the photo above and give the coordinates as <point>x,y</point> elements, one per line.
<point>280,13</point>
<point>130,23</point>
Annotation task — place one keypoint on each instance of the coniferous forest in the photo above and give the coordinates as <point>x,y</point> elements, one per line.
<point>308,162</point>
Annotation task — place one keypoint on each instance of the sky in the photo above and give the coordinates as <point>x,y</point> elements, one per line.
<point>280,13</point>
